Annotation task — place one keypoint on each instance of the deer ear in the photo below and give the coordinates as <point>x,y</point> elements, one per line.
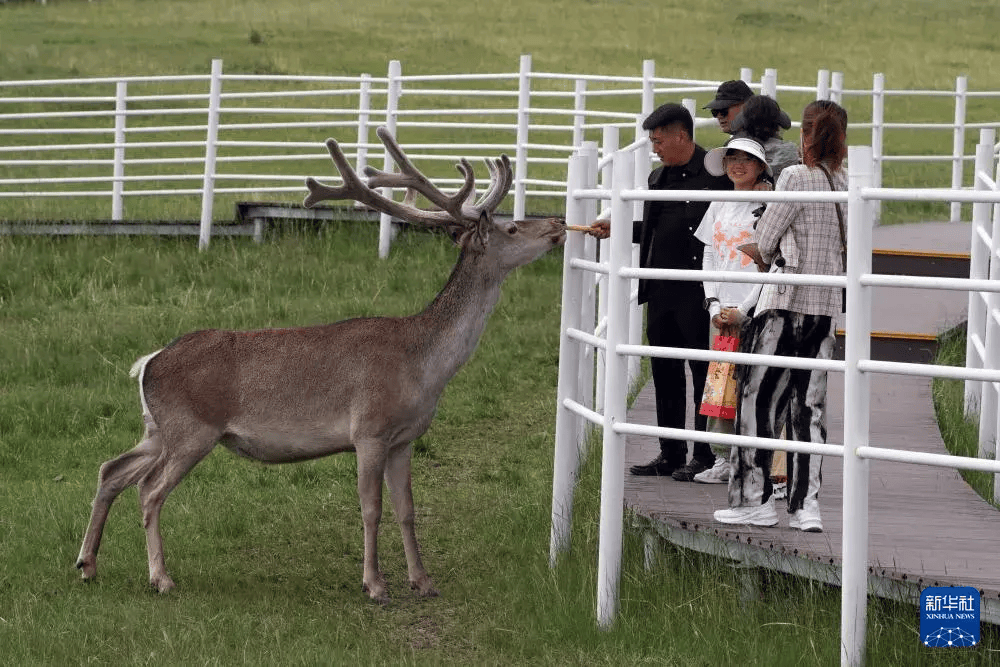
<point>475,236</point>
<point>483,229</point>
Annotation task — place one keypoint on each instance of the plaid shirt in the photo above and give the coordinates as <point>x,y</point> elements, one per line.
<point>807,235</point>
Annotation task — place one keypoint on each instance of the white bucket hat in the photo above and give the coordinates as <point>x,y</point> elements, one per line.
<point>713,159</point>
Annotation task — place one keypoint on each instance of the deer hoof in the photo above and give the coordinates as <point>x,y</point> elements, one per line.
<point>425,587</point>
<point>88,570</point>
<point>378,593</point>
<point>162,583</point>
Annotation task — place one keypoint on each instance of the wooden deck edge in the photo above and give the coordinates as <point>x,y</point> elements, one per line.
<point>922,254</point>
<point>897,335</point>
<point>759,553</point>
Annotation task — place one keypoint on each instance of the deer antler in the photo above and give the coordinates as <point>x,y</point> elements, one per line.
<point>501,178</point>
<point>453,208</point>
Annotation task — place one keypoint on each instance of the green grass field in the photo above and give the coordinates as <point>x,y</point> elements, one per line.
<point>959,432</point>
<point>267,559</point>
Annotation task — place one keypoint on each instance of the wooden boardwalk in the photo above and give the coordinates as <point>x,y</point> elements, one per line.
<point>927,526</point>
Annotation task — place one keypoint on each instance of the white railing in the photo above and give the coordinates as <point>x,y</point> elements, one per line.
<point>219,134</point>
<point>619,347</point>
<point>982,348</point>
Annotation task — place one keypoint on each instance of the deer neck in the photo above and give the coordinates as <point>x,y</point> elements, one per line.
<point>455,320</point>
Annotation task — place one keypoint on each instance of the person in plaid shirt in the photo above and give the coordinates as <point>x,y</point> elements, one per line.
<point>795,321</point>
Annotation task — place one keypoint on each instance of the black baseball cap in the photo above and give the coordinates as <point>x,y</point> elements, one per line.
<point>729,94</point>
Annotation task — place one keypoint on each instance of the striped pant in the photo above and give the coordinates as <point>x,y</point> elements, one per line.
<point>774,397</point>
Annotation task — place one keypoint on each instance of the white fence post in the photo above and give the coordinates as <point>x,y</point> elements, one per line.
<point>989,136</point>
<point>746,75</point>
<point>608,147</point>
<point>640,170</point>
<point>975,328</point>
<point>567,446</point>
<point>521,150</point>
<point>641,157</point>
<point>118,187</point>
<point>769,83</point>
<point>211,145</point>
<point>823,84</point>
<point>988,409</point>
<point>691,105</point>
<point>854,591</point>
<point>579,106</point>
<point>878,137</point>
<point>648,87</point>
<point>386,232</point>
<point>616,390</point>
<point>958,149</point>
<point>364,109</point>
<point>837,87</point>
<point>589,304</point>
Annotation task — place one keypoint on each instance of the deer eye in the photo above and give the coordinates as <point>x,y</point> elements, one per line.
<point>512,230</point>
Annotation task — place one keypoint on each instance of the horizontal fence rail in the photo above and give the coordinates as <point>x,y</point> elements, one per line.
<point>616,273</point>
<point>104,148</point>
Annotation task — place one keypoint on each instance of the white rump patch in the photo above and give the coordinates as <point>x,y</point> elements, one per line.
<point>139,370</point>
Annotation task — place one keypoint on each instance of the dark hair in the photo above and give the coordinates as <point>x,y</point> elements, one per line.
<point>760,119</point>
<point>824,134</point>
<point>670,114</point>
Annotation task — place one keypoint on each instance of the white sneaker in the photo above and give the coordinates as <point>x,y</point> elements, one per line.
<point>759,515</point>
<point>807,519</point>
<point>717,474</point>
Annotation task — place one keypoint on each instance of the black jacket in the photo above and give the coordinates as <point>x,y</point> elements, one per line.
<point>666,232</point>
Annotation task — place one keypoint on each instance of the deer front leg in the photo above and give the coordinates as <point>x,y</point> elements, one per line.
<point>371,464</point>
<point>397,477</point>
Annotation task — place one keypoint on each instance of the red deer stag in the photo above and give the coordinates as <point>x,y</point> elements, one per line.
<point>369,385</point>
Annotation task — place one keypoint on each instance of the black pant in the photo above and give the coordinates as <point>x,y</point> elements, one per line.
<point>772,396</point>
<point>678,327</point>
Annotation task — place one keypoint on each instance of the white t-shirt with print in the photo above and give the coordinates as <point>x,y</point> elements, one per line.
<point>724,227</point>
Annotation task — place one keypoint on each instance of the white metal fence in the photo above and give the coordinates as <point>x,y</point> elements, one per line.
<point>982,348</point>
<point>114,142</point>
<point>580,333</point>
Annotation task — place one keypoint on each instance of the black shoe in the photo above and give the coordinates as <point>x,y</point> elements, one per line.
<point>657,467</point>
<point>687,472</point>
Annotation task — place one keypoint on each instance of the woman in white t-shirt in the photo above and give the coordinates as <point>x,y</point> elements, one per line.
<point>724,228</point>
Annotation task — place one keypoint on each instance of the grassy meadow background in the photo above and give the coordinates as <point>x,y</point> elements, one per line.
<point>268,559</point>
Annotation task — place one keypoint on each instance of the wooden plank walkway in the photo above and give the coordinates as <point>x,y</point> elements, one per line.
<point>927,526</point>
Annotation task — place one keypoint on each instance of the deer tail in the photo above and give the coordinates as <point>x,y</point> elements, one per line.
<point>139,370</point>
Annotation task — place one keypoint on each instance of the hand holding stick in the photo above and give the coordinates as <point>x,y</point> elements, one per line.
<point>600,229</point>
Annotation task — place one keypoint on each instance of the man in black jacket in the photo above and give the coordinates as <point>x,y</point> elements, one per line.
<point>676,313</point>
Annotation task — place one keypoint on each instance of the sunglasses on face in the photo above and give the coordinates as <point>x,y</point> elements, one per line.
<point>720,112</point>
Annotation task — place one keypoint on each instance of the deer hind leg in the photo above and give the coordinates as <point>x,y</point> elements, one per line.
<point>180,454</point>
<point>397,477</point>
<point>371,464</point>
<point>114,477</point>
